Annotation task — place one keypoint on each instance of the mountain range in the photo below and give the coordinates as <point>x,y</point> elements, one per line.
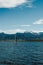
<point>26,36</point>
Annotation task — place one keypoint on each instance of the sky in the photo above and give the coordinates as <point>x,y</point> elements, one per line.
<point>21,16</point>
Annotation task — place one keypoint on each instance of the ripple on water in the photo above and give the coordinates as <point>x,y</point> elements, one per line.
<point>22,53</point>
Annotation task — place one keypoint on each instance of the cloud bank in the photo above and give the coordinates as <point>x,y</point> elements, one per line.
<point>39,22</point>
<point>37,31</point>
<point>19,31</point>
<point>14,3</point>
<point>12,31</point>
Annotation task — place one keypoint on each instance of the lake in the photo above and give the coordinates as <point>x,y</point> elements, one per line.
<point>21,53</point>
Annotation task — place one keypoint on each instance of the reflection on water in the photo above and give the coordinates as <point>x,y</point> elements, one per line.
<point>21,53</point>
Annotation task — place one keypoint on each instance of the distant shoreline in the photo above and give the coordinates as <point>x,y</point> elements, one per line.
<point>21,41</point>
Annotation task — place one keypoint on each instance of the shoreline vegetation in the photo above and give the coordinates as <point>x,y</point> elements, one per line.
<point>21,41</point>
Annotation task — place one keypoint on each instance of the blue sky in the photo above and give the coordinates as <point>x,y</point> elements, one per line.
<point>21,16</point>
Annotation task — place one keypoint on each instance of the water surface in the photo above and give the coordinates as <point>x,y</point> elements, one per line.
<point>21,53</point>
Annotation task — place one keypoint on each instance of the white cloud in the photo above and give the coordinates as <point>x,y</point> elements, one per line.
<point>14,3</point>
<point>12,31</point>
<point>25,25</point>
<point>11,3</point>
<point>39,22</point>
<point>21,25</point>
<point>37,31</point>
<point>19,30</point>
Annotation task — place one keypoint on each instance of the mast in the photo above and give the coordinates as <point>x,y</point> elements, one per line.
<point>15,38</point>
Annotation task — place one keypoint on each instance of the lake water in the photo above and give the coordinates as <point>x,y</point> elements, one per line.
<point>21,53</point>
